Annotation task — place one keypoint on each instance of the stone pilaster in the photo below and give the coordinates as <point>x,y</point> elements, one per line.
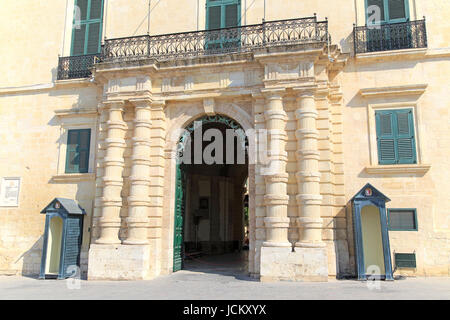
<point>157,177</point>
<point>138,200</point>
<point>113,163</point>
<point>257,230</point>
<point>101,151</point>
<point>276,178</point>
<point>308,175</point>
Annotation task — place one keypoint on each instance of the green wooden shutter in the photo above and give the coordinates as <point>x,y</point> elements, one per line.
<point>231,15</point>
<point>395,137</point>
<point>397,10</point>
<point>72,158</point>
<point>77,155</point>
<point>214,18</point>
<point>379,4</point>
<point>83,5</point>
<point>385,137</point>
<point>96,9</point>
<point>405,137</point>
<point>83,150</point>
<point>93,41</point>
<point>79,37</point>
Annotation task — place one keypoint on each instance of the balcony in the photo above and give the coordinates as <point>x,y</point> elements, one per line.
<point>220,41</point>
<point>387,37</point>
<point>76,66</point>
<point>198,43</point>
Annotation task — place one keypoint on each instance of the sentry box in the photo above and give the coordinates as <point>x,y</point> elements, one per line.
<point>62,239</point>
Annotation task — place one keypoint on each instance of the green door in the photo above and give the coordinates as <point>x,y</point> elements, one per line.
<point>178,226</point>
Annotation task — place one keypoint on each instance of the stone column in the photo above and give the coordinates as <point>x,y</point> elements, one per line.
<point>308,175</point>
<point>276,178</point>
<point>115,144</point>
<point>101,151</point>
<point>139,201</point>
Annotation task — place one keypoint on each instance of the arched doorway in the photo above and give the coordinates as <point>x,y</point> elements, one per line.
<point>210,192</point>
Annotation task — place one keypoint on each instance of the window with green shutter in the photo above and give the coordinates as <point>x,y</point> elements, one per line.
<point>402,219</point>
<point>395,136</point>
<point>222,14</point>
<point>77,154</point>
<point>87,32</point>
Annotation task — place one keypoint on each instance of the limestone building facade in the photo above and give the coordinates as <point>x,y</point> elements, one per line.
<point>95,96</point>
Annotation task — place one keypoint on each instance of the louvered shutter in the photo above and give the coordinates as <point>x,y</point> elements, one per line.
<point>385,137</point>
<point>397,9</point>
<point>72,156</point>
<point>231,15</point>
<point>72,248</point>
<point>83,6</point>
<point>96,9</point>
<point>79,37</point>
<point>83,150</point>
<point>93,44</point>
<point>379,4</point>
<point>214,17</point>
<point>405,137</point>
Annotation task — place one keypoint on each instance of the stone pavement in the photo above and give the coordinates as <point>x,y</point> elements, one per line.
<point>224,278</point>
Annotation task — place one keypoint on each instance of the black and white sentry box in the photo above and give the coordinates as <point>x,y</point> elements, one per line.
<point>62,239</point>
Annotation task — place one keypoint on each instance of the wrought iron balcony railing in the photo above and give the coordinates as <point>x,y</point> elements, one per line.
<point>219,41</point>
<point>76,66</point>
<point>198,43</point>
<point>405,35</point>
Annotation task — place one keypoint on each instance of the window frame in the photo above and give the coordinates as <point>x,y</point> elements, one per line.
<point>88,22</point>
<point>386,19</point>
<point>404,210</point>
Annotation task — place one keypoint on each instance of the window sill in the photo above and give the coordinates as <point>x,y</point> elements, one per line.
<point>74,177</point>
<point>398,168</point>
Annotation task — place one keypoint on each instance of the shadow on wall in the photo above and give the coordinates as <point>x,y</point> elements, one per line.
<point>32,259</point>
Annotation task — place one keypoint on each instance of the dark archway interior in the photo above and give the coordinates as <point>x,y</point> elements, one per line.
<point>216,204</point>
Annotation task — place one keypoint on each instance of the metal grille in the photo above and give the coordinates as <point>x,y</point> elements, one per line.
<point>405,35</point>
<point>76,66</point>
<point>219,41</point>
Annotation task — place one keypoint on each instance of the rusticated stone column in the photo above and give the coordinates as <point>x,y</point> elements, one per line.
<point>101,151</point>
<point>138,200</point>
<point>308,175</point>
<point>115,144</point>
<point>276,178</point>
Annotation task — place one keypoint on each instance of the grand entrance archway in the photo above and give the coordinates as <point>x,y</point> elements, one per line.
<point>211,187</point>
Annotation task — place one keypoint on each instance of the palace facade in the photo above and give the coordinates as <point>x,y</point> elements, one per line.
<point>99,98</point>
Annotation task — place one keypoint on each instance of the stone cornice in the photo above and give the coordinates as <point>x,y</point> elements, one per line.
<point>414,89</point>
<point>65,113</point>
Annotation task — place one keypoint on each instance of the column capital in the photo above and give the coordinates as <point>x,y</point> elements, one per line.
<point>113,104</point>
<point>273,93</point>
<point>141,103</point>
<point>305,91</point>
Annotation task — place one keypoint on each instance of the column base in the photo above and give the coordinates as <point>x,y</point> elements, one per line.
<point>119,262</point>
<point>303,264</point>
